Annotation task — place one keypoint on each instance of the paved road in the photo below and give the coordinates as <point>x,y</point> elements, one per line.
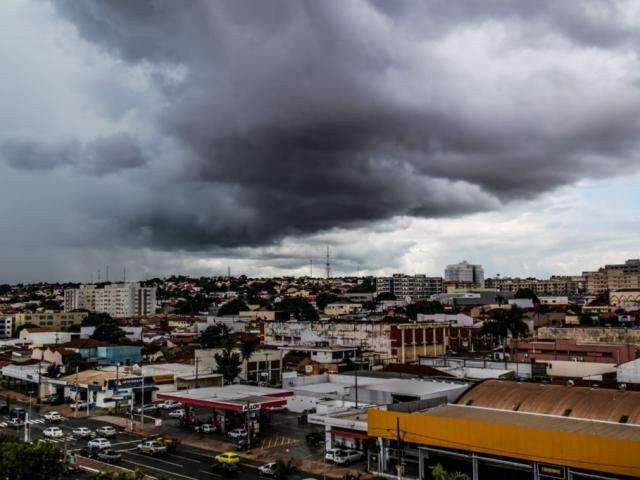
<point>187,463</point>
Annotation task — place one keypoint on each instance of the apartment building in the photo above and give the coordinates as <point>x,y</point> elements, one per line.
<point>554,286</point>
<point>54,320</point>
<point>120,300</point>
<point>613,277</point>
<point>465,272</point>
<point>409,286</point>
<point>6,325</point>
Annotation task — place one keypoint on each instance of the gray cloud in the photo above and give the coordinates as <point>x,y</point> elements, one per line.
<point>102,156</point>
<point>275,120</point>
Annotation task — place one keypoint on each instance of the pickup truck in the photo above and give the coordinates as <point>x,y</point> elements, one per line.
<point>152,447</point>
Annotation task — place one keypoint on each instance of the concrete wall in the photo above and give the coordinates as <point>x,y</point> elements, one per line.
<point>604,335</point>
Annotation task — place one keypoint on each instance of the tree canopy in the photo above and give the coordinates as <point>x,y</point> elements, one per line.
<point>215,336</point>
<point>504,322</point>
<point>527,293</point>
<point>233,307</point>
<point>299,308</point>
<point>228,364</point>
<point>29,461</point>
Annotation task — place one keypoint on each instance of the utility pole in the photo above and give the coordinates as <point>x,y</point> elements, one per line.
<point>107,273</point>
<point>196,361</point>
<point>142,405</point>
<point>328,264</point>
<point>75,410</point>
<point>356,374</point>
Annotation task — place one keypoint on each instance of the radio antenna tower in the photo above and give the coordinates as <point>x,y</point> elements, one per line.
<point>311,268</point>
<point>328,264</point>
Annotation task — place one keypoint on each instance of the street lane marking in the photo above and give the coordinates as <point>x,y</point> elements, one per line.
<point>159,469</point>
<point>156,459</point>
<point>210,473</point>
<point>185,458</point>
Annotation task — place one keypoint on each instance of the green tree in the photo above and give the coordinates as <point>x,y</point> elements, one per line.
<point>19,328</point>
<point>248,347</point>
<point>109,332</point>
<point>233,307</point>
<point>503,322</point>
<point>228,364</point>
<point>325,298</point>
<point>93,319</point>
<point>439,473</point>
<point>215,336</point>
<point>299,308</point>
<point>527,293</point>
<point>29,461</point>
<point>137,475</point>
<point>385,296</point>
<point>75,362</point>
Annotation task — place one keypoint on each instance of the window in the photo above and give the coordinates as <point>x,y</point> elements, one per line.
<point>566,413</point>
<point>624,419</point>
<point>252,366</point>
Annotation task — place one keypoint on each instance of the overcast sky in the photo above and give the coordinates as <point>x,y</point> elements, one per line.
<point>186,136</point>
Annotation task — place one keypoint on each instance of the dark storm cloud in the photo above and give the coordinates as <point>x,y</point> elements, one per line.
<point>295,117</point>
<point>102,156</point>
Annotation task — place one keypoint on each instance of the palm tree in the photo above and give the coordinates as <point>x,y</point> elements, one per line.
<point>247,348</point>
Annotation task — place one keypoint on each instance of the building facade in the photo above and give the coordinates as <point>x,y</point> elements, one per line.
<point>571,350</point>
<point>409,286</point>
<point>120,300</point>
<point>613,277</point>
<point>554,286</point>
<point>465,272</point>
<point>55,320</point>
<point>6,325</point>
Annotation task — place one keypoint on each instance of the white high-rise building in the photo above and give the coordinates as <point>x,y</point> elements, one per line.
<point>465,272</point>
<point>120,300</point>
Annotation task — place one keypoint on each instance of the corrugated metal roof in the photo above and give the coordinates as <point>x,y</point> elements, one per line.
<point>544,422</point>
<point>564,401</point>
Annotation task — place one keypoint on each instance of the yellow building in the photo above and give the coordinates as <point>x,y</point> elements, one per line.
<point>55,320</point>
<point>499,430</point>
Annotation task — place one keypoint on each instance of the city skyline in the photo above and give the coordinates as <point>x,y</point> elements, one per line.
<point>404,137</point>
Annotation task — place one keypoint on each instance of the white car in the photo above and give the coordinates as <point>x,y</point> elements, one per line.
<point>78,406</point>
<point>348,457</point>
<point>53,432</point>
<point>208,428</point>
<point>169,405</point>
<point>268,470</point>
<point>106,431</point>
<point>332,453</point>
<point>177,413</point>
<point>81,432</point>
<point>99,443</point>
<point>53,416</point>
<point>237,433</point>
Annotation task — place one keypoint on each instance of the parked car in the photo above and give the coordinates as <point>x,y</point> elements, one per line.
<point>152,447</point>
<point>237,433</point>
<point>53,416</point>
<point>99,443</point>
<point>18,412</point>
<point>146,408</point>
<point>79,406</point>
<point>269,470</point>
<point>169,405</point>
<point>227,457</point>
<point>106,431</point>
<point>15,422</point>
<point>82,432</point>
<point>208,428</point>
<point>53,432</point>
<point>52,400</point>
<point>331,454</point>
<point>180,413</point>
<point>348,457</point>
<point>314,439</point>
